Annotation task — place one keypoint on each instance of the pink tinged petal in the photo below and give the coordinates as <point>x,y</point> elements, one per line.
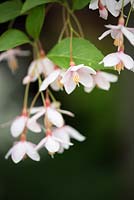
<point>55,117</point>
<point>19,52</point>
<point>61,150</point>
<point>75,134</point>
<point>68,82</point>
<point>50,79</point>
<point>18,126</point>
<point>104,34</point>
<point>51,145</point>
<point>31,152</point>
<point>113,27</point>
<point>41,144</point>
<point>110,60</point>
<point>102,83</point>
<point>66,112</point>
<point>89,89</point>
<point>48,66</point>
<point>87,69</point>
<point>109,77</point>
<point>127,60</point>
<point>27,79</point>
<point>85,78</point>
<point>55,86</point>
<point>75,68</point>
<point>103,13</point>
<point>111,6</point>
<point>93,4</point>
<point>129,35</point>
<point>18,152</point>
<point>32,125</point>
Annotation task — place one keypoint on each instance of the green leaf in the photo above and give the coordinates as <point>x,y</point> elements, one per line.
<point>9,10</point>
<point>33,3</point>
<point>34,21</point>
<point>79,4</point>
<point>12,38</point>
<point>83,53</point>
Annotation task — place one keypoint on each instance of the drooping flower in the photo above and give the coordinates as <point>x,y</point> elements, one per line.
<point>52,143</point>
<point>10,57</point>
<point>104,6</point>
<point>21,149</point>
<point>52,114</point>
<point>77,74</point>
<point>65,133</point>
<point>54,80</point>
<point>118,31</point>
<point>102,80</point>
<point>21,123</point>
<point>119,60</point>
<point>37,67</point>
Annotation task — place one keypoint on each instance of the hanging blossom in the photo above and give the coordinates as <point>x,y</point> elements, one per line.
<point>59,139</point>
<point>65,134</point>
<point>54,80</point>
<point>119,60</point>
<point>52,114</point>
<point>118,31</point>
<point>102,80</point>
<point>37,67</point>
<point>104,6</point>
<point>22,122</point>
<point>22,149</point>
<point>10,56</point>
<point>77,74</point>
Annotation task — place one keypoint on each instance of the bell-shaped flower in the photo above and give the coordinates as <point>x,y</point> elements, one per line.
<point>77,74</point>
<point>117,33</point>
<point>102,80</point>
<point>119,60</point>
<point>10,57</point>
<point>21,123</point>
<point>52,114</point>
<point>64,134</point>
<point>54,80</point>
<point>52,143</point>
<point>22,149</point>
<point>104,6</point>
<point>38,67</point>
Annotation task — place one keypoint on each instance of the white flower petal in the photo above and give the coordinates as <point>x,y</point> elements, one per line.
<point>111,60</point>
<point>18,126</point>
<point>109,77</point>
<point>75,134</point>
<point>66,112</point>
<point>104,34</point>
<point>18,152</point>
<point>34,110</point>
<point>31,152</point>
<point>85,79</point>
<point>93,4</point>
<point>51,145</point>
<point>33,125</point>
<point>111,6</point>
<point>55,117</point>
<point>41,144</point>
<point>8,153</point>
<point>68,82</point>
<point>129,35</point>
<point>103,13</point>
<point>50,79</point>
<point>102,83</point>
<point>63,136</point>
<point>127,60</point>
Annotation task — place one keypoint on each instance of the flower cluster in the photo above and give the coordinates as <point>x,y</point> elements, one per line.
<point>48,117</point>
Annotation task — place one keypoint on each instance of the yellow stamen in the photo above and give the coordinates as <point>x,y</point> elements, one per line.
<point>76,78</point>
<point>119,67</point>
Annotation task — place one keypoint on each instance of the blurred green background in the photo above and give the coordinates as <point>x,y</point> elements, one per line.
<point>99,168</point>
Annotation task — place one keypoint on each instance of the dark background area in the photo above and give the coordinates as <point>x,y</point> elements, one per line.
<point>102,167</point>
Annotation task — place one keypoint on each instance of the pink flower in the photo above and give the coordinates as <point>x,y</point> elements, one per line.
<point>38,67</point>
<point>119,60</point>
<point>10,56</point>
<point>102,80</point>
<point>117,33</point>
<point>104,6</point>
<point>64,134</point>
<point>54,80</point>
<point>22,122</point>
<point>52,115</point>
<point>75,75</point>
<point>21,149</point>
